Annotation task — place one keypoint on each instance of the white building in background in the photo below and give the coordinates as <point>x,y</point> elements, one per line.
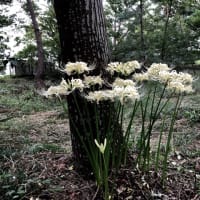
<point>8,70</point>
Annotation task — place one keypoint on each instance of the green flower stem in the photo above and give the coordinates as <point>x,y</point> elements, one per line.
<point>142,140</point>
<point>88,119</point>
<point>155,110</point>
<point>92,156</point>
<point>105,177</point>
<point>178,102</point>
<point>90,149</point>
<point>97,122</point>
<point>152,118</point>
<point>122,115</point>
<point>128,130</point>
<point>99,162</point>
<point>63,104</point>
<point>120,155</point>
<point>159,143</point>
<point>154,114</point>
<point>114,152</point>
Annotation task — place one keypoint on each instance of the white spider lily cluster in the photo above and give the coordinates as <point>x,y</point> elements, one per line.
<point>123,83</point>
<point>76,68</point>
<point>114,67</point>
<point>184,78</point>
<point>76,84</point>
<point>132,65</point>
<point>93,80</point>
<point>176,82</point>
<point>64,88</point>
<point>125,89</point>
<point>123,68</point>
<point>101,95</point>
<point>57,90</point>
<point>122,90</point>
<point>178,87</point>
<point>154,70</point>
<point>140,77</point>
<point>124,93</point>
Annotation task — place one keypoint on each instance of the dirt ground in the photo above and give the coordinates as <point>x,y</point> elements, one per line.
<point>36,162</point>
<point>51,175</point>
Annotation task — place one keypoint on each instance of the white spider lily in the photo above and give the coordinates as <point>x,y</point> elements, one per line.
<point>178,87</point>
<point>61,89</point>
<point>76,68</point>
<point>93,80</point>
<point>101,146</point>
<point>140,77</point>
<point>64,88</point>
<point>123,68</point>
<point>128,92</point>
<point>100,95</point>
<point>123,83</point>
<point>154,70</point>
<point>184,78</point>
<point>76,84</point>
<point>55,90</point>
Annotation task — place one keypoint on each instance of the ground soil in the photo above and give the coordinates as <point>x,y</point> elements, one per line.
<point>65,183</point>
<point>48,172</point>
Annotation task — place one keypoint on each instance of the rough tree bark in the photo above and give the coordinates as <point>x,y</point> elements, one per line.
<point>40,51</point>
<point>82,32</point>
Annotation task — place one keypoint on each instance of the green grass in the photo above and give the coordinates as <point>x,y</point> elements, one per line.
<point>39,147</point>
<point>18,141</point>
<point>19,95</point>
<point>16,126</point>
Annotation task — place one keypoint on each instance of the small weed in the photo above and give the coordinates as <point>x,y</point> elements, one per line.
<point>192,115</point>
<point>11,185</point>
<point>16,126</point>
<point>36,148</point>
<point>17,185</point>
<point>8,152</point>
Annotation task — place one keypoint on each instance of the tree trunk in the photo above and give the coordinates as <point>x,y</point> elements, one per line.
<point>142,43</point>
<point>164,40</point>
<point>40,65</point>
<point>82,32</point>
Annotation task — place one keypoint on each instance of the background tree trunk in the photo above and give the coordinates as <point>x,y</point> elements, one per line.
<point>83,37</point>
<point>40,65</point>
<point>142,43</point>
<point>165,33</point>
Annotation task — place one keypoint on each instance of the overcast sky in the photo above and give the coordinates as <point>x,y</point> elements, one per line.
<point>14,31</point>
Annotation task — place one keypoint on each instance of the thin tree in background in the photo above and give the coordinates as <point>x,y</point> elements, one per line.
<point>40,51</point>
<point>142,43</point>
<point>168,10</point>
<point>5,1</point>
